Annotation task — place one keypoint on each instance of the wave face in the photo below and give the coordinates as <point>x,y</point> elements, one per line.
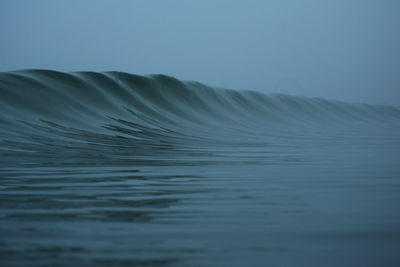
<point>114,168</point>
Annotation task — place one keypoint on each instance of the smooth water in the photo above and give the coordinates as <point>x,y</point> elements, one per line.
<point>118,169</point>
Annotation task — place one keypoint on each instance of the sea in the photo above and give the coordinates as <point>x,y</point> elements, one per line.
<point>117,169</point>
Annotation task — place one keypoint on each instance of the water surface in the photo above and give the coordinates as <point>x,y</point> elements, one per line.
<point>118,169</point>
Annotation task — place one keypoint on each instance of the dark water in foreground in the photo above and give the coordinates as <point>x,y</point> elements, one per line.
<point>116,169</point>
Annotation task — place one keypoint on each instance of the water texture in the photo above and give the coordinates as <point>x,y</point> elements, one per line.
<point>118,169</point>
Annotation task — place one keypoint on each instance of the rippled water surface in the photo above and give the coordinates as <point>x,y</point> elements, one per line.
<point>117,169</point>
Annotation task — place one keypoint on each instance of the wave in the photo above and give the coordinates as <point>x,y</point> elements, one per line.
<point>98,94</point>
<point>91,106</point>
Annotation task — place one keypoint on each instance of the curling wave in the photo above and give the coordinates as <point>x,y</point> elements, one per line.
<point>126,112</point>
<point>88,97</point>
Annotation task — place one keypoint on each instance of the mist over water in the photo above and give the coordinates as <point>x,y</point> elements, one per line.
<point>119,169</point>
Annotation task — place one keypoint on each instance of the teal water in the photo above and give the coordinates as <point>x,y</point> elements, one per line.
<point>119,169</point>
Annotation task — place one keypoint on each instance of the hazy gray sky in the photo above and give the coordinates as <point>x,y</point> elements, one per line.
<point>342,49</point>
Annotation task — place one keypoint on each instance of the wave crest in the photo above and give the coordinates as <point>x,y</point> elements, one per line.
<point>112,101</point>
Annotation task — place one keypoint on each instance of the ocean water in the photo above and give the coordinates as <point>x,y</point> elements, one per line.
<point>109,169</point>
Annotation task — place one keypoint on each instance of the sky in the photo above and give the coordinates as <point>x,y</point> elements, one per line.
<point>341,49</point>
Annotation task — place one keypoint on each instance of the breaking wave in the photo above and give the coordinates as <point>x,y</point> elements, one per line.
<point>116,101</point>
<point>114,115</point>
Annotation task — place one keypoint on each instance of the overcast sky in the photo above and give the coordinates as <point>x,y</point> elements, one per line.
<point>341,49</point>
